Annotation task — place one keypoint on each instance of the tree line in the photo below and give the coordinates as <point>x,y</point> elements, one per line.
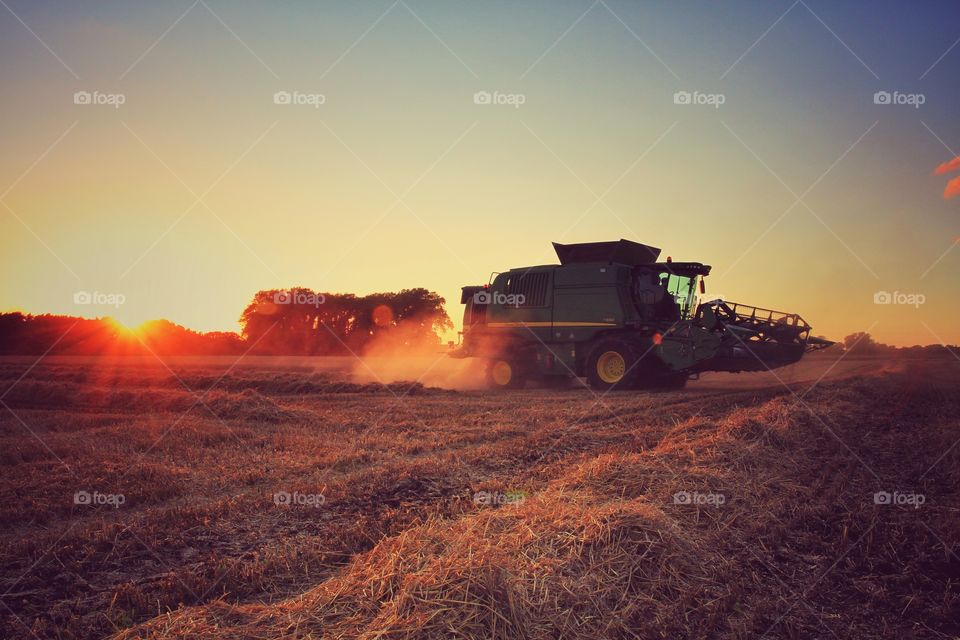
<point>295,321</point>
<point>862,343</point>
<point>24,334</point>
<point>304,322</point>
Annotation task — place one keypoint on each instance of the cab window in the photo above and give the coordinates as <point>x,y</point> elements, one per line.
<point>683,289</point>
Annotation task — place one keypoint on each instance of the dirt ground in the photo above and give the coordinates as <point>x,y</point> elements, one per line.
<point>279,497</point>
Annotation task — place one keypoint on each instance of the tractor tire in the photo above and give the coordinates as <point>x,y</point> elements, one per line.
<point>504,374</point>
<point>613,365</point>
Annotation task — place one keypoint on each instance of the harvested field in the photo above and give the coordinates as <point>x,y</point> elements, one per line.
<point>293,498</point>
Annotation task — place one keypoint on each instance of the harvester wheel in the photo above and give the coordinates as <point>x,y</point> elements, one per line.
<point>612,364</point>
<point>504,374</point>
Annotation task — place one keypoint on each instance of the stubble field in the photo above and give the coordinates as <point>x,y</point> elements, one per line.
<point>295,498</point>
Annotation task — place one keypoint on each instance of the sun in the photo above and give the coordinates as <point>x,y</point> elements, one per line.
<point>128,318</point>
<point>125,329</point>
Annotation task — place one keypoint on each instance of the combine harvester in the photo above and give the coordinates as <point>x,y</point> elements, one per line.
<point>613,314</point>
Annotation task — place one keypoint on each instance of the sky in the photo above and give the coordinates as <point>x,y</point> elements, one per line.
<point>174,158</point>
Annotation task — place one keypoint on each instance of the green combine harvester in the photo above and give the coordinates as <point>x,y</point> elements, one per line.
<point>613,314</point>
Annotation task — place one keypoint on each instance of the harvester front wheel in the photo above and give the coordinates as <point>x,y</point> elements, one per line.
<point>504,374</point>
<point>612,365</point>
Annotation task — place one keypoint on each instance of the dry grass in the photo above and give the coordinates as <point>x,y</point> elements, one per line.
<point>597,546</point>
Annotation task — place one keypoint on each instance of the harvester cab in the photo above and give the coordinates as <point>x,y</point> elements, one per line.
<point>613,313</point>
<point>668,291</point>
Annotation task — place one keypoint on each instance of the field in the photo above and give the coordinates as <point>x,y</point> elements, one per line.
<point>305,498</point>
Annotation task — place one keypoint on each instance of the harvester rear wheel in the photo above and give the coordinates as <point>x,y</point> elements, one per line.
<point>612,364</point>
<point>504,374</point>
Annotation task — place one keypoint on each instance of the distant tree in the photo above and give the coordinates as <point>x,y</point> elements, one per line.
<point>859,341</point>
<point>300,321</point>
<point>295,321</point>
<point>23,334</point>
<point>11,331</point>
<point>863,343</point>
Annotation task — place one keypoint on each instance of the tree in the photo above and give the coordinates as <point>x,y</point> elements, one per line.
<point>300,321</point>
<point>860,341</point>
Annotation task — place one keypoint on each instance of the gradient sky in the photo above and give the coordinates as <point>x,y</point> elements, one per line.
<point>200,190</point>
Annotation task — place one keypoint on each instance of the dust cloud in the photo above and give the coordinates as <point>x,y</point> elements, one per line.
<point>405,354</point>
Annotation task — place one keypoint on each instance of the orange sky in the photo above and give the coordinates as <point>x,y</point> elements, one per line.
<point>803,191</point>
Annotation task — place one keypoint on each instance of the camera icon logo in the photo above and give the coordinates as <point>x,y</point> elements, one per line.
<point>882,297</point>
<point>882,97</point>
<point>682,97</point>
<point>482,297</point>
<point>82,497</point>
<point>82,97</point>
<point>282,297</point>
<point>882,497</point>
<point>282,97</point>
<point>482,97</point>
<point>82,297</point>
<point>281,498</point>
<point>682,497</point>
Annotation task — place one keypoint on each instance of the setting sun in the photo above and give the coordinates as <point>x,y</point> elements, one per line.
<point>126,329</point>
